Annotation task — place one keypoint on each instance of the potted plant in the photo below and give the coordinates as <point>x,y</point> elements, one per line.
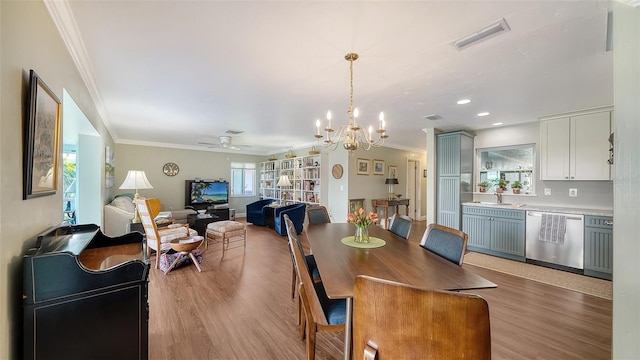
<point>501,184</point>
<point>516,186</point>
<point>483,185</point>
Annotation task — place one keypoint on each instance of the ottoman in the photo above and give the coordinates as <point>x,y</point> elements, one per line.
<point>224,231</point>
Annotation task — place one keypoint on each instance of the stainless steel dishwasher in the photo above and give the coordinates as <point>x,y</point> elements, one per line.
<point>565,251</point>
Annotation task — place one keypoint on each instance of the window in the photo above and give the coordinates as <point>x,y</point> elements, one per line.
<point>514,164</point>
<point>243,179</point>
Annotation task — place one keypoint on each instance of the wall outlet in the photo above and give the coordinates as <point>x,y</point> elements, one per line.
<point>573,192</point>
<point>547,191</point>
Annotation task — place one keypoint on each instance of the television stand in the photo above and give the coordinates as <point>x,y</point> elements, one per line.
<point>222,214</point>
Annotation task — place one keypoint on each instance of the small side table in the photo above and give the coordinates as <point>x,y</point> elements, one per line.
<point>386,203</point>
<point>185,246</point>
<point>199,223</point>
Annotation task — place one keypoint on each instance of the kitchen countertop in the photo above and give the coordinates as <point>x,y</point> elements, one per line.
<point>533,207</point>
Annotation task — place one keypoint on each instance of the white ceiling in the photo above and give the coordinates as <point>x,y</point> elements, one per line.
<point>175,73</point>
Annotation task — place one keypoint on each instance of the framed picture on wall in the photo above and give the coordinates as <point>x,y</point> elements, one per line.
<point>393,172</point>
<point>42,140</point>
<point>356,204</point>
<point>363,166</point>
<point>378,167</point>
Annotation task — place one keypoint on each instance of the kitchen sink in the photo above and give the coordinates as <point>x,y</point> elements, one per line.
<point>492,203</point>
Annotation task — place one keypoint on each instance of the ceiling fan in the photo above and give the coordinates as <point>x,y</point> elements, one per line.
<point>224,142</point>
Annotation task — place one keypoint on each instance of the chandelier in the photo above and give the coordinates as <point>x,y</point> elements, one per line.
<point>351,135</point>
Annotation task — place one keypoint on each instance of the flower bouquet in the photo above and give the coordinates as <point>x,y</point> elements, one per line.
<point>362,222</point>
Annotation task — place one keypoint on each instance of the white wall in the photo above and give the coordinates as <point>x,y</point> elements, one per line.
<point>28,40</point>
<point>192,163</point>
<point>591,194</point>
<point>626,242</point>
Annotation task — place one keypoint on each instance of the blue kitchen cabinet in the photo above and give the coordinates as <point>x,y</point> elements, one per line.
<point>598,246</point>
<point>495,231</point>
<point>455,170</point>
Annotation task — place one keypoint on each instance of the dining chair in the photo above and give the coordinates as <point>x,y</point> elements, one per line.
<point>397,321</point>
<point>446,242</point>
<point>309,259</point>
<point>320,312</point>
<point>400,225</point>
<point>317,215</point>
<point>159,240</point>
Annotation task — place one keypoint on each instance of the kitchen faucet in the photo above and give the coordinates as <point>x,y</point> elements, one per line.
<point>499,195</point>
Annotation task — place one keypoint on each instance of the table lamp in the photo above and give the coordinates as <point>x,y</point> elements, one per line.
<point>391,182</point>
<point>136,179</point>
<point>284,181</point>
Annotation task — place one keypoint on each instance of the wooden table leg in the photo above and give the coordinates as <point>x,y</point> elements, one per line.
<point>348,329</point>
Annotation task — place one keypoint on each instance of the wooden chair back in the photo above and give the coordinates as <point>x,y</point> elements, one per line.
<point>314,318</point>
<point>400,225</point>
<point>155,206</point>
<point>150,230</point>
<point>397,321</point>
<point>318,215</point>
<point>447,242</point>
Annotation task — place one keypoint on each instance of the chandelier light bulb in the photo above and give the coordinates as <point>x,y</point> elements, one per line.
<point>355,113</point>
<point>317,126</point>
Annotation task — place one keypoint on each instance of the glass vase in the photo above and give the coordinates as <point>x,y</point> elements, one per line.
<point>362,234</point>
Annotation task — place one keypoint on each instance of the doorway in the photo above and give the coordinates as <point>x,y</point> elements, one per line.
<point>83,155</point>
<point>413,188</point>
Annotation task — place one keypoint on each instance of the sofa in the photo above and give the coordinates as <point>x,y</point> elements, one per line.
<point>119,212</point>
<point>255,213</point>
<point>296,213</point>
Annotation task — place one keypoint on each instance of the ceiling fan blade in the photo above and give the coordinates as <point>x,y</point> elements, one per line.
<point>207,143</point>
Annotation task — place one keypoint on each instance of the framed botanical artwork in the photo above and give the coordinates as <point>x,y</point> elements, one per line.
<point>378,167</point>
<point>109,169</point>
<point>356,204</point>
<point>363,166</point>
<point>41,145</point>
<point>393,172</point>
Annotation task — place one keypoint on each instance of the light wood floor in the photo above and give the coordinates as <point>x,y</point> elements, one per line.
<point>240,307</point>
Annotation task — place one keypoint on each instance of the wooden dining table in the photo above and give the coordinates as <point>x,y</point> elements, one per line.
<point>398,260</point>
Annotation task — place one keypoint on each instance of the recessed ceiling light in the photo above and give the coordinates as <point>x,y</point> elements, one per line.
<point>463,101</point>
<point>497,124</point>
<point>483,114</point>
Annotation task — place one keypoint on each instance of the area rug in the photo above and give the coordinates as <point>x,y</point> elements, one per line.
<point>576,282</point>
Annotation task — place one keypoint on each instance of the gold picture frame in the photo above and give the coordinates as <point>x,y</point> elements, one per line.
<point>393,172</point>
<point>41,140</point>
<point>362,166</point>
<point>356,204</point>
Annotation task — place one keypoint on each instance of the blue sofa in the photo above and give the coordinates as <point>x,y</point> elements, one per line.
<point>296,213</point>
<point>255,214</point>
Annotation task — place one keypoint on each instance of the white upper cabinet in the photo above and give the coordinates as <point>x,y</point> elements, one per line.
<point>576,146</point>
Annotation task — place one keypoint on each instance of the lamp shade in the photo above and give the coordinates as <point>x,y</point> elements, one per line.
<point>391,181</point>
<point>136,179</point>
<point>284,181</point>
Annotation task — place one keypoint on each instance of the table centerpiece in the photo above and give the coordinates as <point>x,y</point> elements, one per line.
<point>362,222</point>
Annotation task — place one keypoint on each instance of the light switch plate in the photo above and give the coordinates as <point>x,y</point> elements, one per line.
<point>573,192</point>
<point>547,191</point>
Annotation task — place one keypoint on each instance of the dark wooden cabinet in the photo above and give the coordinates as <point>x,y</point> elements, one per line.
<point>85,295</point>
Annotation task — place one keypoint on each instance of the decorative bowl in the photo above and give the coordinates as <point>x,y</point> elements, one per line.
<point>202,212</point>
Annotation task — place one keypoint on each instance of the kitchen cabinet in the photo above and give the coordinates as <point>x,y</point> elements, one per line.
<point>598,246</point>
<point>575,146</point>
<point>495,231</point>
<point>455,170</point>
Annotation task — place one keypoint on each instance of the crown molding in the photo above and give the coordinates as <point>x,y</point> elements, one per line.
<point>65,22</point>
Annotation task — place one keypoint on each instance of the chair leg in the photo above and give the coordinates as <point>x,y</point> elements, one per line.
<point>311,340</point>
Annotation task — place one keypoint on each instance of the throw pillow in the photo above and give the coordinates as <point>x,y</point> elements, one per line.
<point>124,203</point>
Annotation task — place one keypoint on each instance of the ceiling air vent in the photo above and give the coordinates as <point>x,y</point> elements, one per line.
<point>233,132</point>
<point>486,32</point>
<point>432,117</point>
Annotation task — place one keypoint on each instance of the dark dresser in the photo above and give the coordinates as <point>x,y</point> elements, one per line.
<point>85,295</point>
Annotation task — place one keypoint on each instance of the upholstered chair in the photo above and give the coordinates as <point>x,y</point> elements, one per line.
<point>255,214</point>
<point>400,225</point>
<point>296,213</point>
<point>444,241</point>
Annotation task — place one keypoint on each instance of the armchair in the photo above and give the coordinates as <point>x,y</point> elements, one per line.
<point>255,215</point>
<point>296,213</point>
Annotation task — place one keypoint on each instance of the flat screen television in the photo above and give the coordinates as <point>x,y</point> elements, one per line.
<point>206,193</point>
